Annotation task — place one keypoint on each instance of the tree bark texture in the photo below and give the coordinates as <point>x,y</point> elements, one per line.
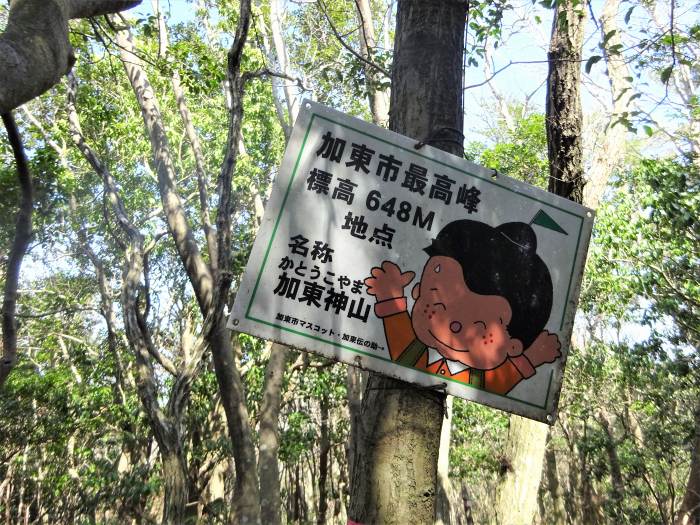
<point>20,243</point>
<point>268,467</point>
<point>247,490</point>
<point>198,272</point>
<point>618,484</point>
<point>323,461</point>
<point>174,472</point>
<point>522,466</point>
<point>609,153</point>
<point>378,98</point>
<point>443,510</point>
<point>34,49</point>
<point>558,510</point>
<point>689,513</point>
<point>354,382</point>
<point>564,116</point>
<point>394,476</point>
<point>564,121</point>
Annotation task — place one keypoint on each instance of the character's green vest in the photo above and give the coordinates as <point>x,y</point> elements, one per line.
<point>415,351</point>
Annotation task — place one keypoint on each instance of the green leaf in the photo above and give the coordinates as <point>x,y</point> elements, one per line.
<point>648,130</point>
<point>628,14</point>
<point>608,36</point>
<point>592,60</point>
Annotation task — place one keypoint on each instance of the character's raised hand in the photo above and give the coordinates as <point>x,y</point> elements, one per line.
<point>388,281</point>
<point>545,349</point>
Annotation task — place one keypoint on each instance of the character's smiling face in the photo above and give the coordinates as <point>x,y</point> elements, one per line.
<point>462,325</point>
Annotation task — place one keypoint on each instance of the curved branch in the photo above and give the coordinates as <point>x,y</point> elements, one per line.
<point>23,234</point>
<point>34,49</point>
<point>346,46</point>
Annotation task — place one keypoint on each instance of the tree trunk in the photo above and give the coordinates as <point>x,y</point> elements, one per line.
<point>618,485</point>
<point>199,274</point>
<point>133,296</point>
<point>394,478</point>
<point>324,449</point>
<point>557,512</point>
<point>378,98</point>
<point>354,382</point>
<point>522,461</point>
<point>608,152</point>
<point>277,29</point>
<point>564,120</point>
<point>20,244</point>
<point>564,114</point>
<point>270,501</point>
<point>174,474</point>
<point>246,490</point>
<point>443,513</point>
<point>689,513</point>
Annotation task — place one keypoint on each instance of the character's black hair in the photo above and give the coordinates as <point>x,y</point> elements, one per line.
<point>502,261</point>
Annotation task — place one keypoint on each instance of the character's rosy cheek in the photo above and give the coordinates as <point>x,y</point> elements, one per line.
<point>487,338</point>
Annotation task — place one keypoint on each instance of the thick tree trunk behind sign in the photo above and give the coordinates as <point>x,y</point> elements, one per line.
<point>394,474</point>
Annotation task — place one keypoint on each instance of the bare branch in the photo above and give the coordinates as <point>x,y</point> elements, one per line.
<point>346,46</point>
<point>23,235</point>
<point>266,72</point>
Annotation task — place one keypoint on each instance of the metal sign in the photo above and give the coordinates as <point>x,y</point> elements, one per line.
<point>403,259</point>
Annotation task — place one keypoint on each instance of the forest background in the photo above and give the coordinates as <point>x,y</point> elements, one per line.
<point>129,403</point>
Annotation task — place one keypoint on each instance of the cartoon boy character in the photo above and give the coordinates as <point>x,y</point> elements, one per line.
<point>480,306</point>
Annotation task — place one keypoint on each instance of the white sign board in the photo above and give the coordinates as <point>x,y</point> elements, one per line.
<point>403,259</point>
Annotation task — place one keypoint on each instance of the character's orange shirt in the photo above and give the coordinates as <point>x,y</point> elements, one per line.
<point>405,348</point>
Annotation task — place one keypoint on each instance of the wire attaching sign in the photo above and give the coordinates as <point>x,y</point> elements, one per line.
<point>417,264</point>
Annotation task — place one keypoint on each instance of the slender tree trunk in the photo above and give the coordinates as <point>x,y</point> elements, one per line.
<point>394,476</point>
<point>689,513</point>
<point>354,385</point>
<point>20,243</point>
<point>564,114</point>
<point>618,484</point>
<point>211,290</point>
<point>276,26</point>
<point>247,490</point>
<point>443,514</point>
<point>270,500</point>
<point>524,453</point>
<point>278,92</point>
<point>174,473</point>
<point>378,98</point>
<point>608,152</point>
<point>199,274</point>
<point>557,512</point>
<point>564,120</point>
<point>324,446</point>
<point>133,298</point>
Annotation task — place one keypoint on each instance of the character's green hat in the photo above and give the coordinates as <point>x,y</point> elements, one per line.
<point>542,219</point>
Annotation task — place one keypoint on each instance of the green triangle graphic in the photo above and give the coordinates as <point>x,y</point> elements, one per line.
<point>544,220</point>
